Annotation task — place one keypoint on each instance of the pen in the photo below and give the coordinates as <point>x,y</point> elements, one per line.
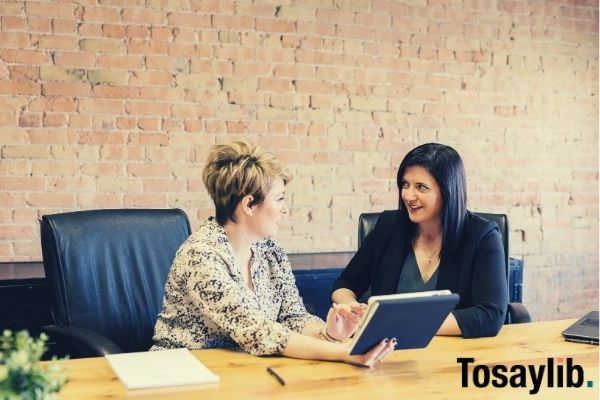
<point>276,375</point>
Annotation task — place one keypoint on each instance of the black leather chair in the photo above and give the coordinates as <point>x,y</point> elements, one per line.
<point>107,270</point>
<point>517,313</point>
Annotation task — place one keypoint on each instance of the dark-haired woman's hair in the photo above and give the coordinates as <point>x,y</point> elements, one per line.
<point>446,166</point>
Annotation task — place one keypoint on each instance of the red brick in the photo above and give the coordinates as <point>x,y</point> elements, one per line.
<point>62,26</point>
<point>12,8</point>
<point>116,92</point>
<point>75,59</point>
<point>23,56</point>
<point>126,123</point>
<point>161,92</point>
<point>149,78</point>
<point>54,119</point>
<point>30,120</point>
<point>144,47</point>
<point>38,24</point>
<point>21,184</point>
<point>51,136</point>
<point>104,137</point>
<point>144,16</point>
<point>148,170</point>
<point>80,121</point>
<point>15,39</point>
<point>25,215</point>
<point>232,22</point>
<point>321,28</point>
<point>87,30</point>
<point>275,25</point>
<point>12,232</point>
<point>101,106</point>
<point>275,85</point>
<point>110,46</point>
<point>24,72</point>
<point>50,199</point>
<point>355,32</point>
<point>145,200</point>
<point>61,42</point>
<point>52,9</point>
<point>190,20</point>
<point>138,31</point>
<point>164,34</point>
<point>336,16</point>
<point>7,119</point>
<point>65,89</point>
<point>101,14</point>
<point>147,108</point>
<point>10,23</point>
<point>113,31</point>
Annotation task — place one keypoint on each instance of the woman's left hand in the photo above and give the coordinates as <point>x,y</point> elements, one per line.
<point>343,320</point>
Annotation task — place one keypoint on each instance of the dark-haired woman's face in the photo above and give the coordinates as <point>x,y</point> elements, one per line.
<point>421,195</point>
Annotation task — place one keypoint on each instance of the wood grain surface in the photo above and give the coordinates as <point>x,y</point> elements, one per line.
<point>430,373</point>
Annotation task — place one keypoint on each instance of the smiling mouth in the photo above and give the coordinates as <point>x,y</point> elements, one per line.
<point>413,208</point>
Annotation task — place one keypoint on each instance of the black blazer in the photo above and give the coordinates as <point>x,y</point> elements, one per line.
<point>476,271</point>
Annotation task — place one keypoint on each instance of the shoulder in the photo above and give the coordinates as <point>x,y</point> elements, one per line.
<point>476,227</point>
<point>209,242</point>
<point>389,219</point>
<point>271,249</point>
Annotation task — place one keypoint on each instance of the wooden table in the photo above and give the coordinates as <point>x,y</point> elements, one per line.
<point>430,373</point>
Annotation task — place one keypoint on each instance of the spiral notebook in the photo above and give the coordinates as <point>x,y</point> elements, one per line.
<point>177,368</point>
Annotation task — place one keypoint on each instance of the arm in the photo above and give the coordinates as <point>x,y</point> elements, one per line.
<point>355,279</point>
<point>292,313</point>
<point>489,291</point>
<point>306,347</point>
<point>344,296</point>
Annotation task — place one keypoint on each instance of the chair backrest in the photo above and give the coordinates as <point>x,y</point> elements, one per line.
<point>367,221</point>
<point>107,269</point>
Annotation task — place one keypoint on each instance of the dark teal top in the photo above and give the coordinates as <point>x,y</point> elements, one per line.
<point>411,279</point>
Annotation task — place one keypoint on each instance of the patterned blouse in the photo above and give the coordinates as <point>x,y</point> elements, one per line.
<point>206,303</point>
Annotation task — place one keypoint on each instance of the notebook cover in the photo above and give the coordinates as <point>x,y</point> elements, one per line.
<point>412,321</point>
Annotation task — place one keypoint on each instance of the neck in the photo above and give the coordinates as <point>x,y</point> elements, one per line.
<point>430,231</point>
<point>240,240</point>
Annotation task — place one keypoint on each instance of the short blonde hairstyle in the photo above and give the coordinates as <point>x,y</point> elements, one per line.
<point>237,169</point>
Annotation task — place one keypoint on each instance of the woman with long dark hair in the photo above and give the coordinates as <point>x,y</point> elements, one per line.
<point>433,242</point>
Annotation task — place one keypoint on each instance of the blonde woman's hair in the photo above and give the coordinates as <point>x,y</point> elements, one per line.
<point>237,169</point>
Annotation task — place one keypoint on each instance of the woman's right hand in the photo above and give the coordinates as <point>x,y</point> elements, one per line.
<point>373,356</point>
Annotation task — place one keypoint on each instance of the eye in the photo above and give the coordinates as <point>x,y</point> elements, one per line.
<point>404,185</point>
<point>422,187</point>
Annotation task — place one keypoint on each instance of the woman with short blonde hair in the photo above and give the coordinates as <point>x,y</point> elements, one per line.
<point>232,286</point>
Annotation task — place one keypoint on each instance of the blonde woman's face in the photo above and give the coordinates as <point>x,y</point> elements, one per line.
<point>269,213</point>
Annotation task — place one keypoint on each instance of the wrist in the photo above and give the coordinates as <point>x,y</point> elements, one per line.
<point>325,335</point>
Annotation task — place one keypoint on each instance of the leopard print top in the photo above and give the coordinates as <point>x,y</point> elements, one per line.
<point>206,303</point>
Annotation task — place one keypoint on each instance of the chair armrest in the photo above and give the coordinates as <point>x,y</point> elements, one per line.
<point>518,314</point>
<point>80,342</point>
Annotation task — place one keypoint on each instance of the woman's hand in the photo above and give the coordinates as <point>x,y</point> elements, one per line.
<point>343,320</point>
<point>373,356</point>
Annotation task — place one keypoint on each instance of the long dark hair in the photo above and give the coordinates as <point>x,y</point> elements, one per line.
<point>446,166</point>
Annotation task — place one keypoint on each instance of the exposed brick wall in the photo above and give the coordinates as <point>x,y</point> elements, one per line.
<point>114,103</point>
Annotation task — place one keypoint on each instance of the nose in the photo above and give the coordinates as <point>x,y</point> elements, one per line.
<point>408,194</point>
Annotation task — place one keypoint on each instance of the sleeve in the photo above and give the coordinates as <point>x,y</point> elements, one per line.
<point>357,274</point>
<point>489,290</point>
<point>227,305</point>
<point>292,313</point>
